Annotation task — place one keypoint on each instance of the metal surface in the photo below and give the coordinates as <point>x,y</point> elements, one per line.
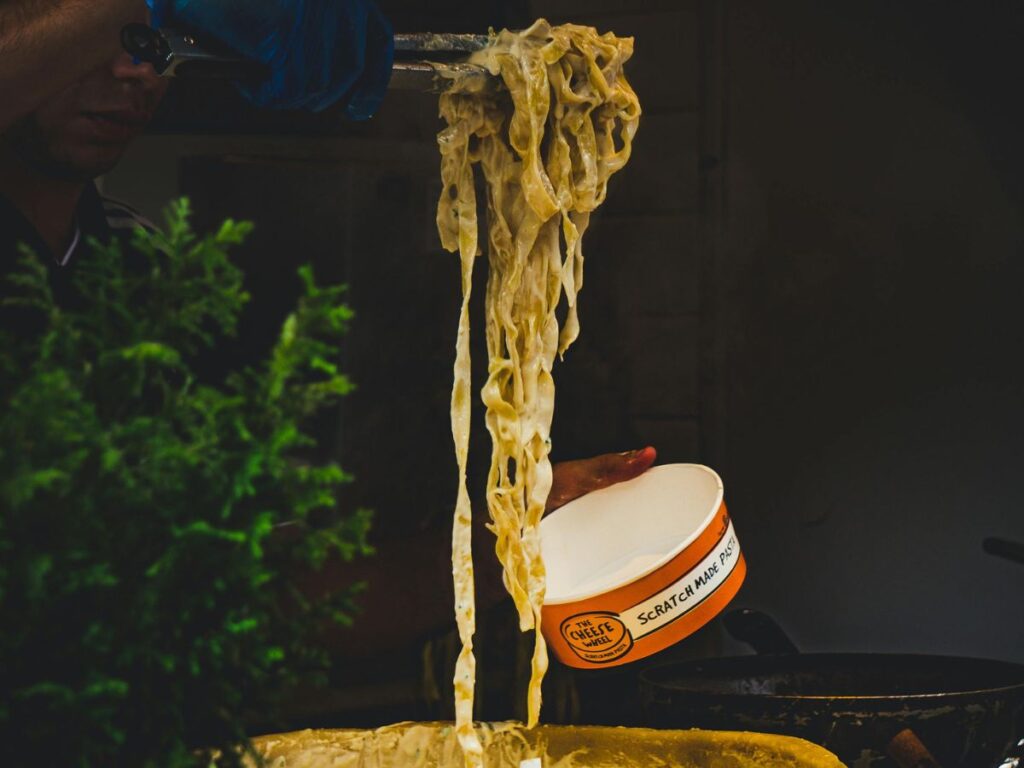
<point>968,712</point>
<point>423,43</point>
<point>423,61</point>
<point>432,77</point>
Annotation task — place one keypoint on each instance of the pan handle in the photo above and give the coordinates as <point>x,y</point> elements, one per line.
<point>1015,757</point>
<point>1011,550</point>
<point>762,633</point>
<point>908,751</point>
<point>758,630</point>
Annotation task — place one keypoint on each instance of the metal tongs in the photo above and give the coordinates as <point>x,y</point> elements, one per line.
<point>423,61</point>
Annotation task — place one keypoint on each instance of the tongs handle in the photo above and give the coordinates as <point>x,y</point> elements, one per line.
<point>175,53</point>
<point>1011,550</point>
<point>434,44</point>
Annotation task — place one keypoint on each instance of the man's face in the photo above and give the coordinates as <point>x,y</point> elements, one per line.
<point>82,132</point>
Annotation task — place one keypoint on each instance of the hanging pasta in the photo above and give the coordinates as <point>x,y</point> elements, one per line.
<point>546,145</point>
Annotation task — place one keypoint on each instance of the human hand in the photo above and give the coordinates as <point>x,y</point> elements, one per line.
<point>572,479</point>
<point>319,52</point>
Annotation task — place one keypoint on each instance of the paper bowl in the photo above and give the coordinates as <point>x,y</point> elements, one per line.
<point>635,568</point>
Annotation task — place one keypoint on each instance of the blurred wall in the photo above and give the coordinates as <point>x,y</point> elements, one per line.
<point>864,395</point>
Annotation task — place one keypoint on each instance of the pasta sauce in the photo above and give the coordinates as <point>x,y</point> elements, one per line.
<point>546,144</point>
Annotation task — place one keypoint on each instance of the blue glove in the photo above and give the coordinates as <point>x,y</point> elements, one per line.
<point>319,52</point>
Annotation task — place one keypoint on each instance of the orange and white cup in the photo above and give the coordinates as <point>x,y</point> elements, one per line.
<point>638,566</point>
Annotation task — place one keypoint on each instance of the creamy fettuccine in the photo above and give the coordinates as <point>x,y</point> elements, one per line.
<point>546,142</point>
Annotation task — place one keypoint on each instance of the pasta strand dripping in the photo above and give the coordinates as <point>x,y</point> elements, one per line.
<point>546,146</point>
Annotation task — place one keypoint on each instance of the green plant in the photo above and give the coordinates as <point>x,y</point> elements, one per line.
<point>145,603</point>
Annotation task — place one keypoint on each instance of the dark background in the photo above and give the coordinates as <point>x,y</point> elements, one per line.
<point>809,278</point>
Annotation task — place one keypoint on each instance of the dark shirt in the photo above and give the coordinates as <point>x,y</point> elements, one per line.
<point>96,216</point>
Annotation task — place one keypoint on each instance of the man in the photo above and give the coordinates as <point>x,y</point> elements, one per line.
<point>73,100</point>
<point>67,119</point>
<point>50,156</point>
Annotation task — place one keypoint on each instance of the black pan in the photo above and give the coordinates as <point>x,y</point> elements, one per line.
<point>966,712</point>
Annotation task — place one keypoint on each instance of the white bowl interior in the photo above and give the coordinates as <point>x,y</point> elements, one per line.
<point>618,534</point>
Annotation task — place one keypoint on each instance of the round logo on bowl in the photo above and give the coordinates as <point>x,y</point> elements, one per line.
<point>597,636</point>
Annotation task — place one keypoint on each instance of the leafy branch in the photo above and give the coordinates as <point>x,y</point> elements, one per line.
<point>142,589</point>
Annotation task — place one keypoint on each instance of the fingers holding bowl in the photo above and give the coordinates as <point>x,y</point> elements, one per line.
<point>572,479</point>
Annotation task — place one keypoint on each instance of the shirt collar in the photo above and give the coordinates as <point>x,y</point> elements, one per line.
<point>90,221</point>
<point>75,240</point>
<point>90,218</point>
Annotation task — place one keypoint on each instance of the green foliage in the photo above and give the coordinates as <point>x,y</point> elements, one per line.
<point>145,603</point>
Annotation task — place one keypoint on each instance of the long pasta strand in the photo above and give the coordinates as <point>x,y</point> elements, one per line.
<point>546,146</point>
